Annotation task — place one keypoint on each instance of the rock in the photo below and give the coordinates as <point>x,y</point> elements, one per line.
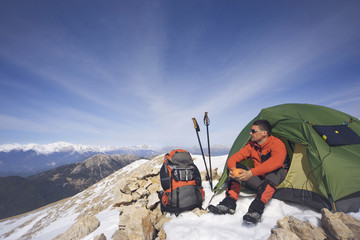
<point>131,221</point>
<point>148,229</point>
<point>153,200</point>
<point>121,185</point>
<point>282,234</point>
<point>303,230</point>
<point>80,229</point>
<point>121,198</point>
<point>133,185</point>
<point>350,222</point>
<point>124,216</point>
<point>158,219</point>
<point>144,172</point>
<point>161,221</point>
<point>135,196</point>
<point>145,184</point>
<point>214,173</point>
<point>120,235</point>
<point>100,237</point>
<point>143,192</point>
<point>336,226</point>
<point>199,211</point>
<point>161,235</point>
<point>155,186</point>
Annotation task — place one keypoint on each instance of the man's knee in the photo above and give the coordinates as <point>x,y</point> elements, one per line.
<point>276,177</point>
<point>254,182</point>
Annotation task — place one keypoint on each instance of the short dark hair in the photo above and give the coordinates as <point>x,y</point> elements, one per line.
<point>263,125</point>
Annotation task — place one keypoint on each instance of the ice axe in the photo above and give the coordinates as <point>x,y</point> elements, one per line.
<point>197,130</point>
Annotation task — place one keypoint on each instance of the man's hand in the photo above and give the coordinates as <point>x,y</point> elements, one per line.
<point>244,175</point>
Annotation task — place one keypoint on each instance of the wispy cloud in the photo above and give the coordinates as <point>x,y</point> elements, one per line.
<point>138,74</point>
<point>21,124</point>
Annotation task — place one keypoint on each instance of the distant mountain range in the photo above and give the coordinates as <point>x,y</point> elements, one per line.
<point>30,159</point>
<point>19,195</point>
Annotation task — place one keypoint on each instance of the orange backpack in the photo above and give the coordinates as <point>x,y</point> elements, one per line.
<point>181,183</point>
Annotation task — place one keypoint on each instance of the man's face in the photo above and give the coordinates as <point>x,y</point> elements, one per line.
<point>257,135</point>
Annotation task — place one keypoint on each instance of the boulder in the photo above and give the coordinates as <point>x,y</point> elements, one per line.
<point>304,230</point>
<point>282,234</point>
<point>336,226</point>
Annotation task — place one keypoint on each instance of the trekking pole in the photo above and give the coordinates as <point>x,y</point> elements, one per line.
<point>197,130</point>
<point>207,123</point>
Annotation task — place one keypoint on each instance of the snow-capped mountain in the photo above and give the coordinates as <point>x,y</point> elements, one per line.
<point>66,147</point>
<point>29,159</point>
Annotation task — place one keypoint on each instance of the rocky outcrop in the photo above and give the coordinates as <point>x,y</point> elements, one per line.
<point>290,228</point>
<point>334,226</point>
<point>138,203</point>
<point>80,229</point>
<point>340,225</point>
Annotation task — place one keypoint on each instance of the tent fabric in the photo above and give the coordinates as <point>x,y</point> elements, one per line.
<point>320,175</point>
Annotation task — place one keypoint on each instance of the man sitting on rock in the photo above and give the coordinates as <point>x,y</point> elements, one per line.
<point>268,154</point>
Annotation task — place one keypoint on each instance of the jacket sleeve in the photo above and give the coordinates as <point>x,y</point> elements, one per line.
<point>276,161</point>
<point>239,156</point>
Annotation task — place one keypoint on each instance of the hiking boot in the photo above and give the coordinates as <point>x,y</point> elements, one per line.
<point>252,217</point>
<point>227,205</point>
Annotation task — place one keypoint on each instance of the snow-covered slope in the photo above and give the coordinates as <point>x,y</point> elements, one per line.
<point>49,221</point>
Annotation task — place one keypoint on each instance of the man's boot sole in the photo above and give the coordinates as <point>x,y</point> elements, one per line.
<point>250,220</point>
<point>215,210</point>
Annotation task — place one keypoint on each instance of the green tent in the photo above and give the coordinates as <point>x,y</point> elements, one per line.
<point>323,147</point>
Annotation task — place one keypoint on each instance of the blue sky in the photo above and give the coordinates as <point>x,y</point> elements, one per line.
<point>124,73</point>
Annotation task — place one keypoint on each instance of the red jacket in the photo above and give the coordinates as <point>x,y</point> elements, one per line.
<point>273,145</point>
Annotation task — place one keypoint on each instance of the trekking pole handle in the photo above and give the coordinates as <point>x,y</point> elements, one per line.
<point>206,119</point>
<point>196,125</point>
